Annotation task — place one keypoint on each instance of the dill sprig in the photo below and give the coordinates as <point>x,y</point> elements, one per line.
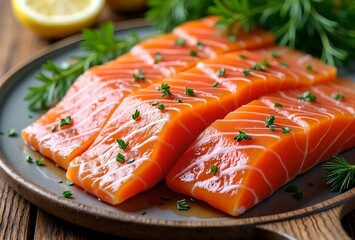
<point>323,28</point>
<point>341,174</point>
<point>167,14</point>
<point>99,46</point>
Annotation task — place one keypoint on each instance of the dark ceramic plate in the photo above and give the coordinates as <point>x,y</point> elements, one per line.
<point>41,184</point>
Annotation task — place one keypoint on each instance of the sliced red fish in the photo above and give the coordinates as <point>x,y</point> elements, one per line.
<point>97,93</point>
<point>171,115</point>
<point>242,159</point>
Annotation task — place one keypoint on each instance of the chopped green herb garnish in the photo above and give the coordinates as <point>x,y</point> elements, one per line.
<point>141,71</point>
<point>65,121</point>
<point>120,157</point>
<point>242,56</point>
<point>12,132</point>
<point>215,84</point>
<point>214,169</point>
<point>165,89</point>
<point>298,196</point>
<point>143,213</point>
<point>232,38</point>
<point>309,67</point>
<point>138,77</point>
<point>242,135</point>
<point>60,181</point>
<point>292,189</point>
<point>246,72</point>
<point>53,128</point>
<point>67,194</point>
<point>39,162</point>
<point>166,197</point>
<point>275,55</point>
<point>284,64</point>
<point>1,132</point>
<point>29,159</point>
<point>308,96</point>
<point>180,42</point>
<point>277,105</point>
<point>155,103</point>
<point>286,129</point>
<point>200,44</point>
<point>270,122</point>
<point>161,107</point>
<point>266,62</point>
<point>258,67</point>
<point>310,184</point>
<point>221,72</point>
<point>189,92</point>
<point>135,115</point>
<point>179,100</point>
<point>70,182</point>
<point>158,58</point>
<point>131,160</point>
<point>182,205</point>
<point>193,53</point>
<point>338,96</point>
<point>122,144</point>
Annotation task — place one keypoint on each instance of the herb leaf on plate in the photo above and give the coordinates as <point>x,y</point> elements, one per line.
<point>99,46</point>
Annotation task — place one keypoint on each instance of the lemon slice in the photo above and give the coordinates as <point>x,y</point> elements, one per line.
<point>57,18</point>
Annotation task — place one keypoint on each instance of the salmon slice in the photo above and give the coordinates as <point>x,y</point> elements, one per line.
<point>167,124</point>
<point>98,92</point>
<point>233,175</point>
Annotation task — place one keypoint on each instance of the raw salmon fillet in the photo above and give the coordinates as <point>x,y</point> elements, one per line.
<point>233,175</point>
<point>168,123</point>
<point>98,92</point>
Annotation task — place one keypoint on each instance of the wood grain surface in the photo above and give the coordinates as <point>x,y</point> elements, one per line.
<point>21,220</point>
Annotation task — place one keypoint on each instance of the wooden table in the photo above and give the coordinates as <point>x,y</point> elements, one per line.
<point>19,219</point>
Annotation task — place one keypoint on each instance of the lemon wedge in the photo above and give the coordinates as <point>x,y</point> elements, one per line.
<point>57,18</point>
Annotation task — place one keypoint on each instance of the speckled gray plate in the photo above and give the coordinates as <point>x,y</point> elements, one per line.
<point>41,184</point>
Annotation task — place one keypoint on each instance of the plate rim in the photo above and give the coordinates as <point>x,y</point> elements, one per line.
<point>45,199</point>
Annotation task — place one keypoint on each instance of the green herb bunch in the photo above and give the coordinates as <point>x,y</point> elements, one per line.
<point>324,28</point>
<point>99,46</point>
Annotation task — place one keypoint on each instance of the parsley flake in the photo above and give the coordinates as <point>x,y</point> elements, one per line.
<point>143,213</point>
<point>214,169</point>
<point>65,121</point>
<point>12,132</point>
<point>193,53</point>
<point>215,84</point>
<point>135,115</point>
<point>309,67</point>
<point>141,71</point>
<point>70,182</point>
<point>275,55</point>
<point>122,144</point>
<point>120,157</point>
<point>284,64</point>
<point>242,135</point>
<point>180,42</point>
<point>138,77</point>
<point>157,58</point>
<point>246,73</point>
<point>266,62</point>
<point>53,128</point>
<point>182,205</point>
<point>338,96</point>
<point>308,96</point>
<point>286,129</point>
<point>40,162</point>
<point>277,105</point>
<point>67,194</point>
<point>200,44</point>
<point>165,89</point>
<point>221,72</point>
<point>258,67</point>
<point>242,56</point>
<point>270,122</point>
<point>189,92</point>
<point>232,38</point>
<point>29,159</point>
<point>155,103</point>
<point>161,107</point>
<point>179,100</point>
